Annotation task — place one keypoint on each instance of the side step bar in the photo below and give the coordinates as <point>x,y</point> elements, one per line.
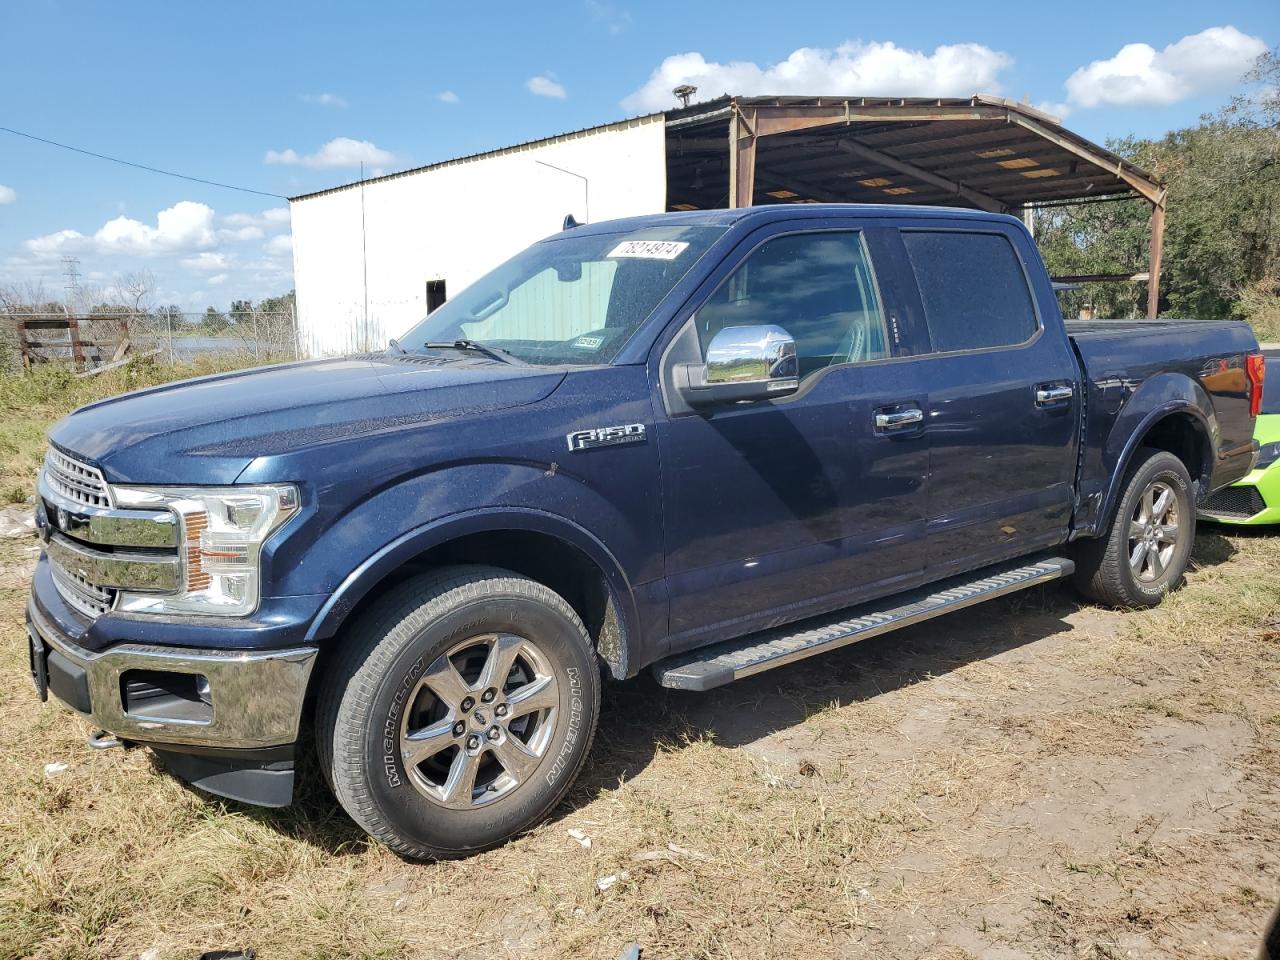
<point>731,660</point>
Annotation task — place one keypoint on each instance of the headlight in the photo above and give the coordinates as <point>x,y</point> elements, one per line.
<point>1268,454</point>
<point>221,533</point>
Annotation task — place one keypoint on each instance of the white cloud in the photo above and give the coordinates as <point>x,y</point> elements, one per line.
<point>217,279</point>
<point>184,227</point>
<point>1140,74</point>
<point>206,261</point>
<point>338,152</point>
<point>283,244</point>
<point>854,68</point>
<point>545,86</point>
<point>241,233</point>
<point>270,219</point>
<point>447,96</point>
<point>613,17</point>
<point>7,194</point>
<point>323,99</point>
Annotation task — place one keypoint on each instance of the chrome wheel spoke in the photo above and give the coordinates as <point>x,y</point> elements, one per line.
<point>419,745</point>
<point>1157,562</point>
<point>516,758</point>
<point>445,682</point>
<point>497,666</point>
<point>1137,530</point>
<point>459,786</point>
<point>1148,505</point>
<point>541,694</point>
<point>1168,533</point>
<point>1138,557</point>
<point>1162,505</point>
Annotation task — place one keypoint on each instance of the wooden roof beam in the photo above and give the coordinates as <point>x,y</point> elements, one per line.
<point>980,200</point>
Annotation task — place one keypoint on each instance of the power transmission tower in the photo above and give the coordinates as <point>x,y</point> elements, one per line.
<point>71,267</point>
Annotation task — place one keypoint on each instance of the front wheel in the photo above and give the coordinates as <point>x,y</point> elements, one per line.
<point>459,712</point>
<point>1145,552</point>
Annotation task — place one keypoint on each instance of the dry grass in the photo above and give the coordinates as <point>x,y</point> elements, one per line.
<point>1028,779</point>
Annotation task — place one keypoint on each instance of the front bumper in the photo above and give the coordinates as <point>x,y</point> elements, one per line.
<point>254,698</point>
<point>236,739</point>
<point>1253,501</point>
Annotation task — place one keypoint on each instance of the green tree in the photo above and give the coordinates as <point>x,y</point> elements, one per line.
<point>1223,230</point>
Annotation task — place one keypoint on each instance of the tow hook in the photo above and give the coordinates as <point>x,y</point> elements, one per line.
<point>101,740</point>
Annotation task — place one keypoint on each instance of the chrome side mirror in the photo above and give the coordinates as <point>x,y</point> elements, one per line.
<point>743,363</point>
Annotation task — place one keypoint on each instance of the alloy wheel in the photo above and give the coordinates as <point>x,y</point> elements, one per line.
<point>480,720</point>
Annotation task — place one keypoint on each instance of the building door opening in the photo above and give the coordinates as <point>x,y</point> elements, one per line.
<point>435,295</point>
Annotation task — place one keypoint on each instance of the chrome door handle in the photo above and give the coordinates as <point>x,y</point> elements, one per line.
<point>899,418</point>
<point>1046,395</point>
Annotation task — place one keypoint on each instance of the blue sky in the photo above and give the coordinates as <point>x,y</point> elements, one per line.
<point>288,97</point>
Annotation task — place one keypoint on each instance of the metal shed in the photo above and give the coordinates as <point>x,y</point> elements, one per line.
<point>371,257</point>
<point>981,151</point>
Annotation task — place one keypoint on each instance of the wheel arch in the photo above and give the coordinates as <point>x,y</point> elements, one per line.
<point>1179,427</point>
<point>544,547</point>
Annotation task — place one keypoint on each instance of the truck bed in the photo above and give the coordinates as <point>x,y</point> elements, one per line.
<point>1119,357</point>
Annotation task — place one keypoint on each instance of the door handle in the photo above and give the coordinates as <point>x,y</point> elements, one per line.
<point>1047,395</point>
<point>899,418</point>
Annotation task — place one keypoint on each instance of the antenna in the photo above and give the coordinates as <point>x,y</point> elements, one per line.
<point>685,93</point>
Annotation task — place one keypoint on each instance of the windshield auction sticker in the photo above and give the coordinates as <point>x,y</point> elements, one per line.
<point>649,249</point>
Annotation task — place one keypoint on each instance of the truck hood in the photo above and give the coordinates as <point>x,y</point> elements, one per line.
<point>209,429</point>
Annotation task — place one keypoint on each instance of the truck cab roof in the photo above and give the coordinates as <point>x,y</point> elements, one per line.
<point>770,213</point>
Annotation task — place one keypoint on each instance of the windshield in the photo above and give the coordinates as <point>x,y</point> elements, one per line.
<point>571,299</point>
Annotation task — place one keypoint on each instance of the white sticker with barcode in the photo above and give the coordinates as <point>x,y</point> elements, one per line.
<point>649,249</point>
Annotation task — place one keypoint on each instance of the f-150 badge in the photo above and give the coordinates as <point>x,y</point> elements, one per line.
<point>605,437</point>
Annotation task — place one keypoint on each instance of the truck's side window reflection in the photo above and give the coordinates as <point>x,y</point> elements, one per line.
<point>816,286</point>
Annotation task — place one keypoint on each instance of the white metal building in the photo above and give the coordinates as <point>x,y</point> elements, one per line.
<point>453,222</point>
<point>371,258</point>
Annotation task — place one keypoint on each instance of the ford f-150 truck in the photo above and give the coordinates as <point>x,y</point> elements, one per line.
<point>704,444</point>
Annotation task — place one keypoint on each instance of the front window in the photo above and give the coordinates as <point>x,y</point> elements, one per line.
<point>574,299</point>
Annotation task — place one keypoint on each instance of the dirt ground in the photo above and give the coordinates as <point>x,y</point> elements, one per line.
<point>1030,778</point>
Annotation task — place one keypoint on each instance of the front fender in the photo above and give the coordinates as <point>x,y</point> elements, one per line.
<point>374,537</point>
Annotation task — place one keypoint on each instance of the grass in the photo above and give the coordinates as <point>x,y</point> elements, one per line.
<point>1032,778</point>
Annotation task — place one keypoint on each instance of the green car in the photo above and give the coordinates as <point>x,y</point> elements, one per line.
<point>1256,499</point>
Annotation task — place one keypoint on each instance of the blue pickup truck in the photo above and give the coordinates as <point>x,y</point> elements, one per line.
<point>704,444</point>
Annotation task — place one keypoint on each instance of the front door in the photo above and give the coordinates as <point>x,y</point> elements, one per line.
<point>775,510</point>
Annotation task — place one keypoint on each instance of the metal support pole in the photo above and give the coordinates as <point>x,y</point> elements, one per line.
<point>1157,254</point>
<point>742,161</point>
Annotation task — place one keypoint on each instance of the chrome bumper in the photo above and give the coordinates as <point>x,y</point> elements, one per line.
<point>256,695</point>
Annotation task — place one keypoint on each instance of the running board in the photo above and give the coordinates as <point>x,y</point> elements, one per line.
<point>731,660</point>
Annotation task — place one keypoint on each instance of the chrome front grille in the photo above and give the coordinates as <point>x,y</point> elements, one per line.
<point>94,549</point>
<point>76,481</point>
<point>88,598</point>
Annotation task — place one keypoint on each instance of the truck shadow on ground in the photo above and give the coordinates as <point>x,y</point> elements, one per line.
<point>640,719</point>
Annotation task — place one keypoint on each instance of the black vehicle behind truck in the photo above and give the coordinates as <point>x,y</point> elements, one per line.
<point>704,444</point>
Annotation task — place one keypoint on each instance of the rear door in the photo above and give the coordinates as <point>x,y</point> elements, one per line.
<point>1003,397</point>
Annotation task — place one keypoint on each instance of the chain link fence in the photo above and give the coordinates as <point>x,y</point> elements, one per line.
<point>97,340</point>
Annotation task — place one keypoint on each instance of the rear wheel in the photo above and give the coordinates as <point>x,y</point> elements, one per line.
<point>460,711</point>
<point>1146,550</point>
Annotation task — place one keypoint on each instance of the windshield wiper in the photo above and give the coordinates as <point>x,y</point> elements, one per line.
<point>493,353</point>
<point>395,345</point>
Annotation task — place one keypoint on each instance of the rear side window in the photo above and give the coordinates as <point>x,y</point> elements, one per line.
<point>973,288</point>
